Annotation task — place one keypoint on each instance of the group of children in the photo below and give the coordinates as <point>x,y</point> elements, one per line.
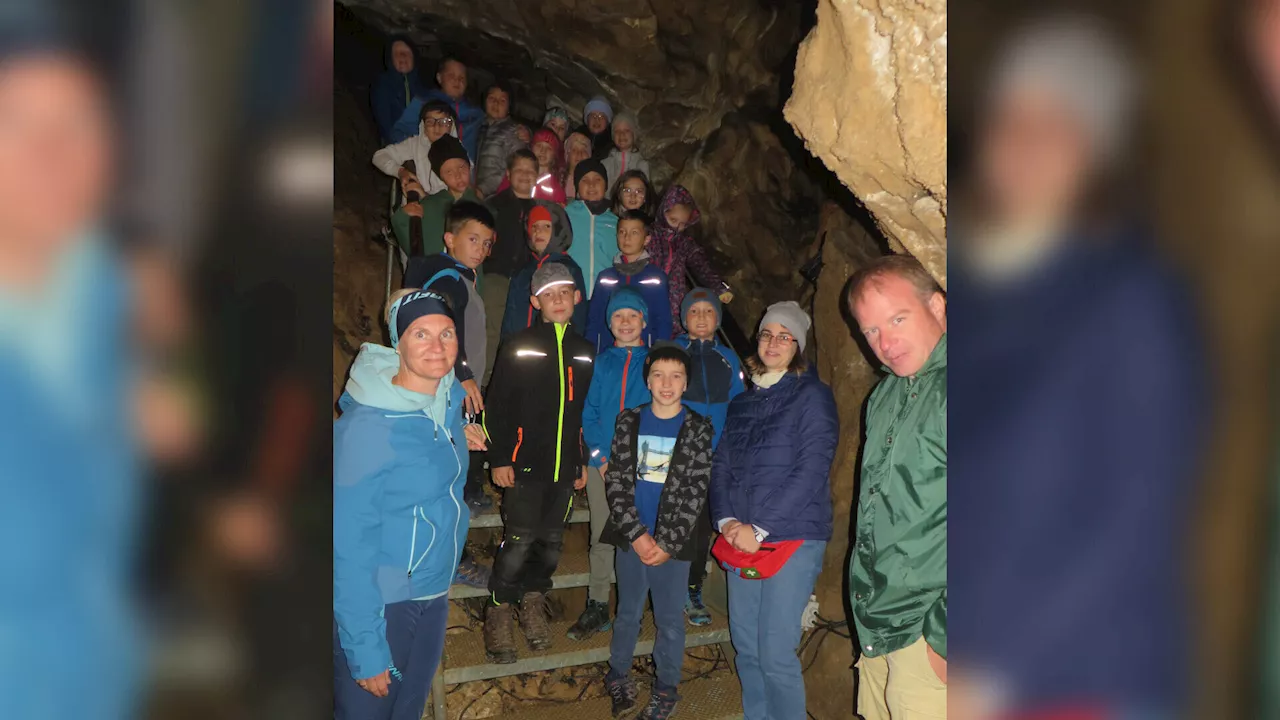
<point>601,370</point>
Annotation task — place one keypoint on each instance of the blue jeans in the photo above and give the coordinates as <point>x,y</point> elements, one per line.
<point>669,584</point>
<point>415,631</point>
<point>764,624</point>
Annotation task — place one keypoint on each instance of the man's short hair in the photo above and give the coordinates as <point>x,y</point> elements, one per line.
<point>464,212</point>
<point>522,154</point>
<point>904,266</point>
<point>444,64</point>
<point>637,214</point>
<point>498,84</point>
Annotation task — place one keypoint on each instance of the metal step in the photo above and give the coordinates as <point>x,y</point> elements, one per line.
<point>493,519</point>
<point>717,698</point>
<point>573,570</point>
<point>465,660</point>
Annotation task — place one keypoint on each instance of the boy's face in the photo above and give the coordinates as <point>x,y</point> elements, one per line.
<point>456,174</point>
<point>626,325</point>
<point>453,79</point>
<point>592,187</point>
<point>545,153</point>
<point>623,136</point>
<point>631,237</point>
<point>523,175</point>
<point>497,104</point>
<point>437,124</point>
<point>633,193</point>
<point>700,321</point>
<point>667,382</point>
<point>559,126</point>
<point>556,303</point>
<point>541,236</point>
<point>597,122</point>
<point>402,57</point>
<point>678,216</point>
<point>471,244</point>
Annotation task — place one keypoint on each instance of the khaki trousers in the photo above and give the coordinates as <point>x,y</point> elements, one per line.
<point>900,686</point>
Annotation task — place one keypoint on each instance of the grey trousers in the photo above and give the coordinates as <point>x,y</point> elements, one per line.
<point>601,556</point>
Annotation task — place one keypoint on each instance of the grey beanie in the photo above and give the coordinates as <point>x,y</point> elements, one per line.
<point>551,273</point>
<point>791,316</point>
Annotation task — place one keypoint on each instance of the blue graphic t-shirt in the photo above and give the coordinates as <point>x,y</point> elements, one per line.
<point>655,444</point>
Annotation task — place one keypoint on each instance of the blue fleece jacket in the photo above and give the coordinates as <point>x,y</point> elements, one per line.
<point>467,124</point>
<point>715,378</point>
<point>617,384</point>
<point>391,94</point>
<point>595,240</point>
<point>650,281</point>
<point>399,523</point>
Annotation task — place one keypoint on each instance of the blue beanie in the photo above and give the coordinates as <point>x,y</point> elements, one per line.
<point>627,299</point>
<point>600,105</point>
<point>697,295</point>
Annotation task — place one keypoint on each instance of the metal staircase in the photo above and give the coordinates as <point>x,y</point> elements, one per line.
<point>464,657</point>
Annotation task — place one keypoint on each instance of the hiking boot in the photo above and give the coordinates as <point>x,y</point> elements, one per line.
<point>533,620</point>
<point>499,633</point>
<point>472,574</point>
<point>592,620</point>
<point>697,613</point>
<point>622,692</point>
<point>662,704</point>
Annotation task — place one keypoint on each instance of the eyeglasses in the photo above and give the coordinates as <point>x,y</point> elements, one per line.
<point>438,122</point>
<point>768,338</point>
<point>633,191</point>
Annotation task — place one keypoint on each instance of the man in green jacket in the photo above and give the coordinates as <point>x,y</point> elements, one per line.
<point>898,570</point>
<point>449,162</point>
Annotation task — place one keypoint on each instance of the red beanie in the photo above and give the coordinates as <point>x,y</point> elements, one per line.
<point>537,214</point>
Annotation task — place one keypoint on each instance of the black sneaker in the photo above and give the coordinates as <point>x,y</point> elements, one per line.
<point>592,620</point>
<point>662,703</point>
<point>622,693</point>
<point>479,505</point>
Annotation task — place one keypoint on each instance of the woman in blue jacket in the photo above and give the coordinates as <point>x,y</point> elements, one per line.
<point>399,522</point>
<point>770,482</point>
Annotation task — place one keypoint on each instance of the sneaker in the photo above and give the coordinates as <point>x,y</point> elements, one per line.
<point>697,612</point>
<point>499,633</point>
<point>622,693</point>
<point>592,620</point>
<point>472,574</point>
<point>662,704</point>
<point>533,620</point>
<point>480,505</point>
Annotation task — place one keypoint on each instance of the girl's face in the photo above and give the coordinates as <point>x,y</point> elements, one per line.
<point>597,122</point>
<point>678,216</point>
<point>559,126</point>
<point>579,150</point>
<point>632,194</point>
<point>545,153</point>
<point>623,136</point>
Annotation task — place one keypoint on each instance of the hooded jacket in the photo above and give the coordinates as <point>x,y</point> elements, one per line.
<point>399,464</point>
<point>533,406</point>
<point>391,158</point>
<point>394,91</point>
<point>617,384</point>
<point>520,313</point>
<point>468,123</point>
<point>715,378</point>
<point>677,253</point>
<point>435,211</point>
<point>773,464</point>
<point>595,239</point>
<point>649,280</point>
<point>457,282</point>
<point>500,140</point>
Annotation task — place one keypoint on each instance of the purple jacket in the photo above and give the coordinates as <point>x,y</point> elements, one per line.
<point>678,255</point>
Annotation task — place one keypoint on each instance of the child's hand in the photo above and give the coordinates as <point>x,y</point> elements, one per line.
<point>504,477</point>
<point>581,482</point>
<point>726,297</point>
<point>475,437</point>
<point>644,547</point>
<point>413,209</point>
<point>658,556</point>
<point>474,401</point>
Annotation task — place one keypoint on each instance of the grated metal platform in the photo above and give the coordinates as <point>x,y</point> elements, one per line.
<point>574,570</point>
<point>580,514</point>
<point>717,698</point>
<point>466,660</point>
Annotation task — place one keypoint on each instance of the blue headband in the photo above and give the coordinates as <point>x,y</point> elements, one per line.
<point>413,306</point>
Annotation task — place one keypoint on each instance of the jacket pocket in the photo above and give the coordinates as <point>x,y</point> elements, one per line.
<point>414,558</point>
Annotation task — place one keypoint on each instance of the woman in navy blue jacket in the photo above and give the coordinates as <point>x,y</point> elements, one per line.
<point>770,482</point>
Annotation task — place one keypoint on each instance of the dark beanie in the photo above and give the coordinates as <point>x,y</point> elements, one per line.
<point>446,148</point>
<point>413,306</point>
<point>586,166</point>
<point>665,350</point>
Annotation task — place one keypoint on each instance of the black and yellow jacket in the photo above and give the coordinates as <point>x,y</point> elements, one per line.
<point>533,407</point>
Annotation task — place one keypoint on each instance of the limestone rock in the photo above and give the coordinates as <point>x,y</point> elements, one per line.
<point>870,99</point>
